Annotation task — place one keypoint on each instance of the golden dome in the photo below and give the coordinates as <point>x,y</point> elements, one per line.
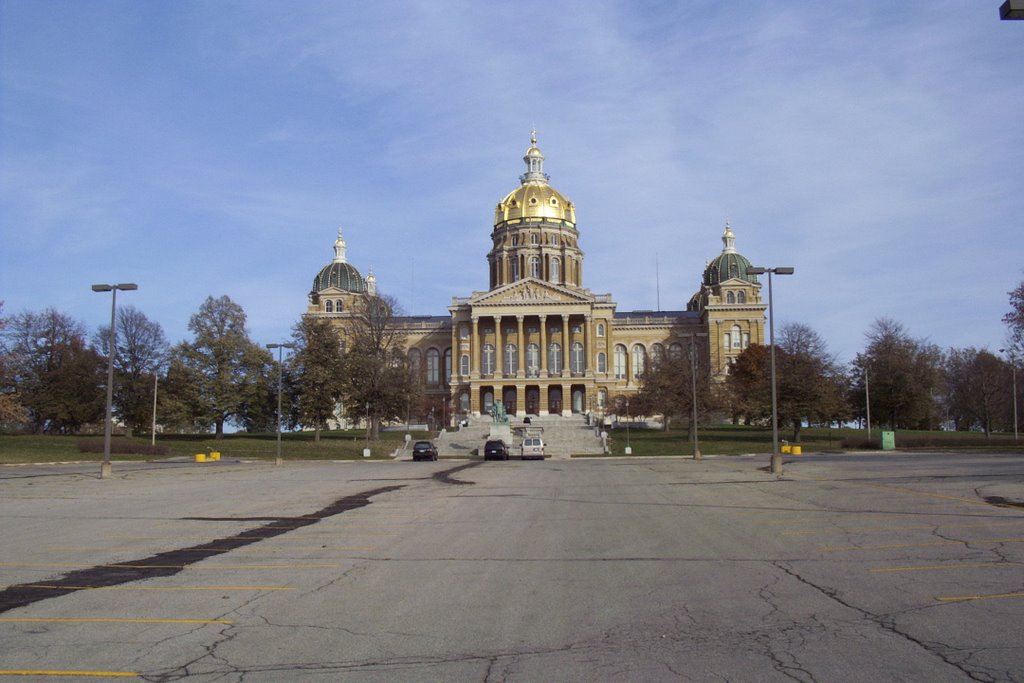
<point>534,198</point>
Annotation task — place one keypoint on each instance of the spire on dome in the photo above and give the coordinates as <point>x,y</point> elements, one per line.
<point>728,240</point>
<point>371,283</point>
<point>534,163</point>
<point>339,248</point>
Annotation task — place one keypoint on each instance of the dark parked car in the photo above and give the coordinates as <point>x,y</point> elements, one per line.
<point>495,450</point>
<point>424,450</point>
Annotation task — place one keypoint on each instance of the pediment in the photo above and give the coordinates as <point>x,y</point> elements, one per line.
<point>531,291</point>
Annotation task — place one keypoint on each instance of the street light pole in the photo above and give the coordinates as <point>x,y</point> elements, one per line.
<point>1013,370</point>
<point>280,366</point>
<point>693,396</point>
<point>778,270</point>
<point>105,468</point>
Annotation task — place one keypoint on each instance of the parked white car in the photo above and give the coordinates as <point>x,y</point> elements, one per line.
<point>533,448</point>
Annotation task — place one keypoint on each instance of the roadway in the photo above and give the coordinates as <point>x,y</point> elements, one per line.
<point>872,567</point>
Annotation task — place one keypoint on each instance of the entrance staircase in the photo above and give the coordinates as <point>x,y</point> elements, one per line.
<point>563,437</point>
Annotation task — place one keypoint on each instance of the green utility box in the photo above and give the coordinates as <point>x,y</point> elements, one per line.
<point>888,441</point>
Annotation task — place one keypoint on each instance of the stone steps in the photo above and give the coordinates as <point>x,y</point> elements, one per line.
<point>563,437</point>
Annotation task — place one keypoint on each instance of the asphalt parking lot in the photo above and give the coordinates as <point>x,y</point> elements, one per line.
<point>891,567</point>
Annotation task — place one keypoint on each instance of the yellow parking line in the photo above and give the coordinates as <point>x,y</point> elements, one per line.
<point>99,620</point>
<point>961,598</point>
<point>941,566</point>
<point>50,672</point>
<point>909,527</point>
<point>42,565</point>
<point>833,549</point>
<point>153,588</point>
<point>970,501</point>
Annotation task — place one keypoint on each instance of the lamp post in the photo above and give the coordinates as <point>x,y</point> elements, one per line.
<point>778,270</point>
<point>1013,366</point>
<point>280,369</point>
<point>693,396</point>
<point>105,468</point>
<point>629,449</point>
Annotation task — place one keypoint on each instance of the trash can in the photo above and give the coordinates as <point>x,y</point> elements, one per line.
<point>888,441</point>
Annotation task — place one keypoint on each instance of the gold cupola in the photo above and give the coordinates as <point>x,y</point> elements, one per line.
<point>534,199</point>
<point>535,232</point>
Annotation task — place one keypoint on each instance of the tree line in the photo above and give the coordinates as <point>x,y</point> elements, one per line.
<point>905,382</point>
<point>53,376</point>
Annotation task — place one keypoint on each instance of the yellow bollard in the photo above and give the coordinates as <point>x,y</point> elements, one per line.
<point>785,448</point>
<point>796,450</point>
<point>214,455</point>
<point>200,457</point>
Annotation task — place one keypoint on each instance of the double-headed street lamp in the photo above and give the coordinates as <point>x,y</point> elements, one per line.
<point>1013,365</point>
<point>105,468</point>
<point>778,270</point>
<point>280,349</point>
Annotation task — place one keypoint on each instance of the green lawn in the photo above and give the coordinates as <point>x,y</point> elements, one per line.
<point>337,445</point>
<point>348,445</point>
<point>727,439</point>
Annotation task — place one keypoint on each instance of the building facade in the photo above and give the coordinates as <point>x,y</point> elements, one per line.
<point>537,339</point>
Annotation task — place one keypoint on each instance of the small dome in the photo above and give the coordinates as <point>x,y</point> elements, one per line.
<point>339,275</point>
<point>729,264</point>
<point>727,267</point>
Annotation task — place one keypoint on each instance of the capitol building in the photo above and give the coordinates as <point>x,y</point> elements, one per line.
<point>537,338</point>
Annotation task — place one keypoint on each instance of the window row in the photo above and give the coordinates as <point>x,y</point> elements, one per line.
<point>433,365</point>
<point>333,306</point>
<point>736,297</point>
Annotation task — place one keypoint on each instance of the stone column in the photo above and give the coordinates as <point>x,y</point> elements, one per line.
<point>587,355</point>
<point>520,348</point>
<point>544,351</point>
<point>474,354</point>
<point>499,352</point>
<point>565,351</point>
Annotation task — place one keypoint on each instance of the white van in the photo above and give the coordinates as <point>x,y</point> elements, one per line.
<point>533,448</point>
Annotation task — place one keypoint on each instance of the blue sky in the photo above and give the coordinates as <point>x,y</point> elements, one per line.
<point>209,148</point>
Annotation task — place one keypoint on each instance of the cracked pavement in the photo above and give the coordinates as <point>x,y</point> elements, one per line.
<point>848,568</point>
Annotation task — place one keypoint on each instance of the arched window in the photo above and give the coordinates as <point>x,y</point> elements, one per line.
<point>337,306</point>
<point>534,238</point>
<point>532,360</point>
<point>515,268</point>
<point>600,329</point>
<point>553,240</point>
<point>555,357</point>
<point>639,355</point>
<point>447,366</point>
<point>620,361</point>
<point>576,359</point>
<point>415,359</point>
<point>741,297</point>
<point>487,359</point>
<point>675,350</point>
<point>329,306</point>
<point>737,337</point>
<point>657,353</point>
<point>602,398</point>
<point>464,365</point>
<point>730,298</point>
<point>463,331</point>
<point>535,266</point>
<point>556,270</point>
<point>432,366</point>
<point>511,359</point>
<point>464,402</point>
<point>602,362</point>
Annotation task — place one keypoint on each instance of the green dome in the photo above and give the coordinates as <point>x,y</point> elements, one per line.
<point>726,267</point>
<point>729,264</point>
<point>340,275</point>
